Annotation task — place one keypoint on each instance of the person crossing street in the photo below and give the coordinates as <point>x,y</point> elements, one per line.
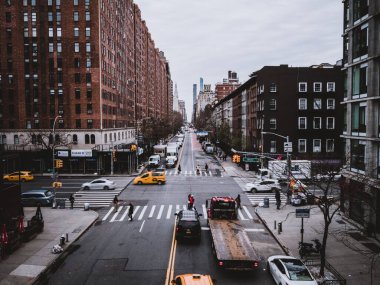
<point>130,211</point>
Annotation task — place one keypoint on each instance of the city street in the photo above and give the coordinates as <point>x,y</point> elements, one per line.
<point>115,249</point>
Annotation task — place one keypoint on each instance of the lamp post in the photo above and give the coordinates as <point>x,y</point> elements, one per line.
<point>287,148</point>
<point>53,142</point>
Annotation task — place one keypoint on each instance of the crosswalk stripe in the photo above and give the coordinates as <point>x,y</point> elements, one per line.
<point>169,212</point>
<point>152,211</point>
<point>160,212</point>
<point>125,214</point>
<point>106,216</point>
<point>135,211</point>
<point>116,214</point>
<point>204,211</point>
<point>246,211</point>
<point>142,212</point>
<point>241,216</point>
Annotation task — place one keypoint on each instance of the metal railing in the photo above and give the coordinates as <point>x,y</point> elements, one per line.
<point>339,279</point>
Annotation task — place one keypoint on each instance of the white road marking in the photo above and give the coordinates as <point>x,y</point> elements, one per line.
<point>142,213</point>
<point>246,211</point>
<point>135,211</point>
<point>205,228</point>
<point>169,212</point>
<point>142,226</point>
<point>116,214</point>
<point>125,214</point>
<point>241,216</point>
<point>160,212</point>
<point>204,211</point>
<point>152,211</point>
<point>254,230</point>
<point>109,212</point>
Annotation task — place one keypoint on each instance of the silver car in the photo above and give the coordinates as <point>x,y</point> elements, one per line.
<point>263,186</point>
<point>37,197</point>
<point>99,184</point>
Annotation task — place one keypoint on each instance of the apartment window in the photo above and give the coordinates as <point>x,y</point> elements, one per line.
<point>8,17</point>
<point>330,104</point>
<point>76,62</point>
<point>57,3</point>
<point>77,77</point>
<point>88,47</point>
<point>26,17</point>
<point>89,108</point>
<point>78,124</point>
<point>105,138</point>
<point>330,123</point>
<point>76,32</point>
<point>357,154</point>
<point>88,62</point>
<point>302,87</point>
<point>34,32</point>
<point>76,47</point>
<point>26,32</point>
<point>302,104</point>
<point>317,123</point>
<point>273,87</point>
<point>92,139</point>
<point>272,104</point>
<point>51,32</point>
<point>88,16</point>
<point>360,41</point>
<point>59,32</point>
<point>360,9</point>
<point>358,117</point>
<point>77,109</point>
<point>59,47</point>
<point>88,31</point>
<point>317,105</point>
<point>88,77</point>
<point>51,47</point>
<point>301,145</point>
<point>76,16</point>
<point>330,86</point>
<point>273,148</point>
<point>89,94</point>
<point>302,123</point>
<point>50,2</point>
<point>76,2</point>
<point>273,124</point>
<point>316,145</point>
<point>329,145</point>
<point>359,80</point>
<point>77,93</point>
<point>16,139</point>
<point>90,124</point>
<point>87,2</point>
<point>317,87</point>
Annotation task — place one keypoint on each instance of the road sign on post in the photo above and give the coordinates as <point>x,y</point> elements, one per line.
<point>288,147</point>
<point>302,213</point>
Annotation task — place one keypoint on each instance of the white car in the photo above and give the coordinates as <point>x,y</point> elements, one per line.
<point>289,270</point>
<point>99,184</point>
<point>263,185</point>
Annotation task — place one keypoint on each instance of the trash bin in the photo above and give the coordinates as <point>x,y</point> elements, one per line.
<point>266,203</point>
<point>61,203</point>
<point>86,206</point>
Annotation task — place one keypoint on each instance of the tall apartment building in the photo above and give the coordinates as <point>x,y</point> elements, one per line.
<point>182,110</point>
<point>88,68</point>
<point>227,86</point>
<point>361,133</point>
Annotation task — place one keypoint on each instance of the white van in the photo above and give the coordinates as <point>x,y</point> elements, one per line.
<point>154,160</point>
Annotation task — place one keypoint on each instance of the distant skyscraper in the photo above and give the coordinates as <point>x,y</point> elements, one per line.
<point>175,99</point>
<point>194,94</point>
<point>201,84</point>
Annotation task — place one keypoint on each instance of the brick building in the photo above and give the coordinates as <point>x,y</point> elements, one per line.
<point>88,68</point>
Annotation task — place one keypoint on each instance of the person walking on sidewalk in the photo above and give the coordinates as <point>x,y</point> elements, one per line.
<point>206,167</point>
<point>278,199</point>
<point>72,200</point>
<point>116,203</point>
<point>238,201</point>
<point>179,168</point>
<point>130,211</point>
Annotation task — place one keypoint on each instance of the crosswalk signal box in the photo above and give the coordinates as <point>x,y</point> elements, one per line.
<point>58,163</point>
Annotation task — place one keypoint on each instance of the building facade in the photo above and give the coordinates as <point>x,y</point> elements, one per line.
<point>227,86</point>
<point>88,69</point>
<point>361,132</point>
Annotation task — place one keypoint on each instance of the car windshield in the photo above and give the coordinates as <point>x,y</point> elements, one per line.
<point>297,270</point>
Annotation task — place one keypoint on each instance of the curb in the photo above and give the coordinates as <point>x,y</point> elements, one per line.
<point>284,248</point>
<point>42,278</point>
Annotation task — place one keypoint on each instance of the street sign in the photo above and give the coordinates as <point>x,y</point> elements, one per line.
<point>302,213</point>
<point>288,147</point>
<point>250,159</point>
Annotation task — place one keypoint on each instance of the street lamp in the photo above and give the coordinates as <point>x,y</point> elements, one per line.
<point>53,142</point>
<point>287,148</point>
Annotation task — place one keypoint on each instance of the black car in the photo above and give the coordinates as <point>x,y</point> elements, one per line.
<point>188,225</point>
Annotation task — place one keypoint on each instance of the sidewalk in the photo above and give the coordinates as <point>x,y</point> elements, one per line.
<point>34,257</point>
<point>347,251</point>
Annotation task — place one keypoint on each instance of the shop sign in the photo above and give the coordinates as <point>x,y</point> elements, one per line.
<point>81,153</point>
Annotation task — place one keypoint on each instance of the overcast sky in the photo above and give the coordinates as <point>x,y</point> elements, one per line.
<point>206,38</point>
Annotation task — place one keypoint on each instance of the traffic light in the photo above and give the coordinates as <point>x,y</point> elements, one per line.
<point>58,163</point>
<point>114,155</point>
<point>237,158</point>
<point>133,147</point>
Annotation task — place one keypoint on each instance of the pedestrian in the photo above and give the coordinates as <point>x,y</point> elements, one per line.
<point>179,168</point>
<point>190,202</point>
<point>72,200</point>
<point>116,203</point>
<point>278,199</point>
<point>238,201</point>
<point>206,167</point>
<point>130,211</point>
<point>225,157</point>
<point>289,194</point>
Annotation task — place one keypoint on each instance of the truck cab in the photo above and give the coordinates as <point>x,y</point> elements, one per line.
<point>221,208</point>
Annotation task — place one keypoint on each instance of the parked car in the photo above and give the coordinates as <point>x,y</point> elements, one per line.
<point>151,177</point>
<point>188,225</point>
<point>289,270</point>
<point>263,185</point>
<point>99,184</point>
<point>192,279</point>
<point>19,175</point>
<point>37,197</point>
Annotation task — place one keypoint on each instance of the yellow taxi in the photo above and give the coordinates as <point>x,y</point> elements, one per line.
<point>150,177</point>
<point>192,279</point>
<point>23,176</point>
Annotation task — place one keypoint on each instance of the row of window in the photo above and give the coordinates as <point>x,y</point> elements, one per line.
<point>302,146</point>
<point>317,123</point>
<point>302,87</point>
<point>302,104</point>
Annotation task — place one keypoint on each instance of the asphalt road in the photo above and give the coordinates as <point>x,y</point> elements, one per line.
<point>118,251</point>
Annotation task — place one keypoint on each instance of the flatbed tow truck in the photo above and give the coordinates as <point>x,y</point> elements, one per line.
<point>230,243</point>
